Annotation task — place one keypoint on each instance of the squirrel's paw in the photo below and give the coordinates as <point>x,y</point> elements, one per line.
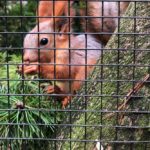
<point>32,68</point>
<point>52,89</point>
<point>65,101</point>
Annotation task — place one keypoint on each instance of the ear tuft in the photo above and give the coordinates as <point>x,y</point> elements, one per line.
<point>45,10</point>
<point>63,32</point>
<point>65,28</point>
<point>51,8</point>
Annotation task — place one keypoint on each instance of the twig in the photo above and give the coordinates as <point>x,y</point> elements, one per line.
<point>132,91</point>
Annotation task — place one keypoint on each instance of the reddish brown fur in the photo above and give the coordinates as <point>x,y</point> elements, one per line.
<point>46,67</point>
<point>46,9</point>
<point>99,25</point>
<point>61,69</point>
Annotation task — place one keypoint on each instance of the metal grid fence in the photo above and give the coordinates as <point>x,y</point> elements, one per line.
<point>74,75</point>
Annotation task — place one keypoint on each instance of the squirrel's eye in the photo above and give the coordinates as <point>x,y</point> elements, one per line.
<point>44,41</point>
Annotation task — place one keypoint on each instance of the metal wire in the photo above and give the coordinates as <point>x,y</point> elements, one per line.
<point>40,117</point>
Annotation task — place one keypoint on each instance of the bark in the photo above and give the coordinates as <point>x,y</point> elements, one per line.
<point>118,72</point>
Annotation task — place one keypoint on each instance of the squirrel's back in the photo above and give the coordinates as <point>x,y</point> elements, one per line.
<point>84,49</point>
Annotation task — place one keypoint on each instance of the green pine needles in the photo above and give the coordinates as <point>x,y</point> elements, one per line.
<point>26,113</point>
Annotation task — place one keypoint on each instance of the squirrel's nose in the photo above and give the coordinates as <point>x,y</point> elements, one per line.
<point>26,57</point>
<point>30,56</point>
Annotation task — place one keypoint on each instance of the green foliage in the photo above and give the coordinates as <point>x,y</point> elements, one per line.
<point>27,112</point>
<point>29,116</point>
<point>80,5</point>
<point>8,71</point>
<point>77,22</point>
<point>11,23</point>
<point>27,120</point>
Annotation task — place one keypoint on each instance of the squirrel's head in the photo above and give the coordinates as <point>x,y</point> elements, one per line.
<point>40,42</point>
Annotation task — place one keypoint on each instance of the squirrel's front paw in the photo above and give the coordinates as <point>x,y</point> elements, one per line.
<point>32,68</point>
<point>66,100</point>
<point>50,89</point>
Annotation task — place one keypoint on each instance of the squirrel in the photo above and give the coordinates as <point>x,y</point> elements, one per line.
<point>101,17</point>
<point>62,56</point>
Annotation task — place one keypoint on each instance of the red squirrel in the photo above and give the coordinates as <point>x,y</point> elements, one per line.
<point>63,57</point>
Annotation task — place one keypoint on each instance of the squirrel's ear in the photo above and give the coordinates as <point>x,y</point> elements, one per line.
<point>63,33</point>
<point>65,28</point>
<point>48,9</point>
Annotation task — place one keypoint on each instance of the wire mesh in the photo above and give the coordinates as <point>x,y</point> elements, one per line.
<point>74,75</point>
